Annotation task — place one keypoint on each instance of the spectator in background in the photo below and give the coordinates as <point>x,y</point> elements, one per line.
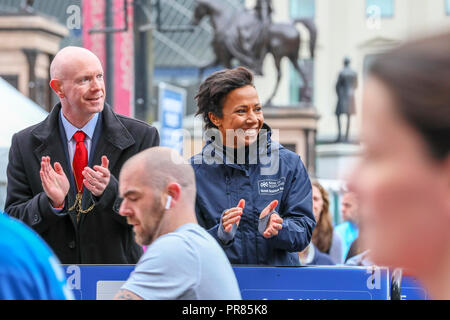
<point>403,179</point>
<point>357,255</point>
<point>182,260</point>
<point>28,268</point>
<point>324,237</point>
<point>357,246</point>
<point>348,230</point>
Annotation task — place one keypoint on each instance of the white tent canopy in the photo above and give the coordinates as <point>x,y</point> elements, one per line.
<point>16,113</point>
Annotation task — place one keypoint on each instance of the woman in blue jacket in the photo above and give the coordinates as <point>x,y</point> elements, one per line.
<point>253,195</point>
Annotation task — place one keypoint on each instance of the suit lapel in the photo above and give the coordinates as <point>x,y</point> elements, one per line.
<point>113,139</point>
<point>53,143</point>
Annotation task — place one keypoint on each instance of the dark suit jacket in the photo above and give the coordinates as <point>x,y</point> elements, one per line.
<point>101,236</point>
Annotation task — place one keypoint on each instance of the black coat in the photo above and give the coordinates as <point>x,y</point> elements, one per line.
<point>101,236</point>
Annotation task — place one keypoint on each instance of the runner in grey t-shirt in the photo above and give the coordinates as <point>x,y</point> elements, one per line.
<point>184,264</point>
<point>182,261</point>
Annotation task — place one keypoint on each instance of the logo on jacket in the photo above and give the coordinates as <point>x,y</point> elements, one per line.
<point>268,187</point>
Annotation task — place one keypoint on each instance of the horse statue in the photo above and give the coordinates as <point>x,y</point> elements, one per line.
<point>283,40</point>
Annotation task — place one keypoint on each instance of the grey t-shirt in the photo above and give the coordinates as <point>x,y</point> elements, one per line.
<point>185,264</point>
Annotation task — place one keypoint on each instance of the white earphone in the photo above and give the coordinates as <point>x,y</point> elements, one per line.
<point>169,200</point>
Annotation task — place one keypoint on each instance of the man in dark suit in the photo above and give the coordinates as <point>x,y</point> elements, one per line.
<point>73,204</point>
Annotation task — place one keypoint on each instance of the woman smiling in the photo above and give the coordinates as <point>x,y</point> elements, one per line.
<point>253,195</point>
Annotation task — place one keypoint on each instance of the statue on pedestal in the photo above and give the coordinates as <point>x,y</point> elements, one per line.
<point>248,35</point>
<point>345,89</point>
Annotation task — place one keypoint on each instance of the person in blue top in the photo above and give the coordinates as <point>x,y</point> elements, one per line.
<point>28,268</point>
<point>348,230</point>
<point>253,195</point>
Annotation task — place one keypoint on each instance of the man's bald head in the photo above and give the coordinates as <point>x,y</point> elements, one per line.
<point>159,166</point>
<point>65,61</point>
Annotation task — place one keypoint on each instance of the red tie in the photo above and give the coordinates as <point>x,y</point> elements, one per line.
<point>80,159</point>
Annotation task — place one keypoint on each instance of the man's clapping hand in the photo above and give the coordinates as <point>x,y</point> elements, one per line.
<point>97,179</point>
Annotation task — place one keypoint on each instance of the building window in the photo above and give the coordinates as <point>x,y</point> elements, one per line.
<point>383,8</point>
<point>302,8</point>
<point>447,7</point>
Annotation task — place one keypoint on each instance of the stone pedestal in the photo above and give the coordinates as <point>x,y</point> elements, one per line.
<point>296,129</point>
<point>27,45</point>
<point>335,161</point>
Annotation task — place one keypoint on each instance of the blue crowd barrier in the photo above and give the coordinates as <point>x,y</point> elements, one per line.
<point>313,283</point>
<point>96,282</point>
<point>412,289</point>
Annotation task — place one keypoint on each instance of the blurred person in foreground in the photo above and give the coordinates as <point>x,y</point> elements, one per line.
<point>348,230</point>
<point>326,245</point>
<point>253,195</point>
<point>182,260</point>
<point>403,180</point>
<point>28,268</point>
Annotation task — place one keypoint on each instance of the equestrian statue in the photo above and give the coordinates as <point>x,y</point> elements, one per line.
<point>249,35</point>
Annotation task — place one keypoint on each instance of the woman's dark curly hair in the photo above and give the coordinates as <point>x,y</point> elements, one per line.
<point>212,92</point>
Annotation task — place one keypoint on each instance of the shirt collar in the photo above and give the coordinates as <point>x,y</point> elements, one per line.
<point>70,129</point>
